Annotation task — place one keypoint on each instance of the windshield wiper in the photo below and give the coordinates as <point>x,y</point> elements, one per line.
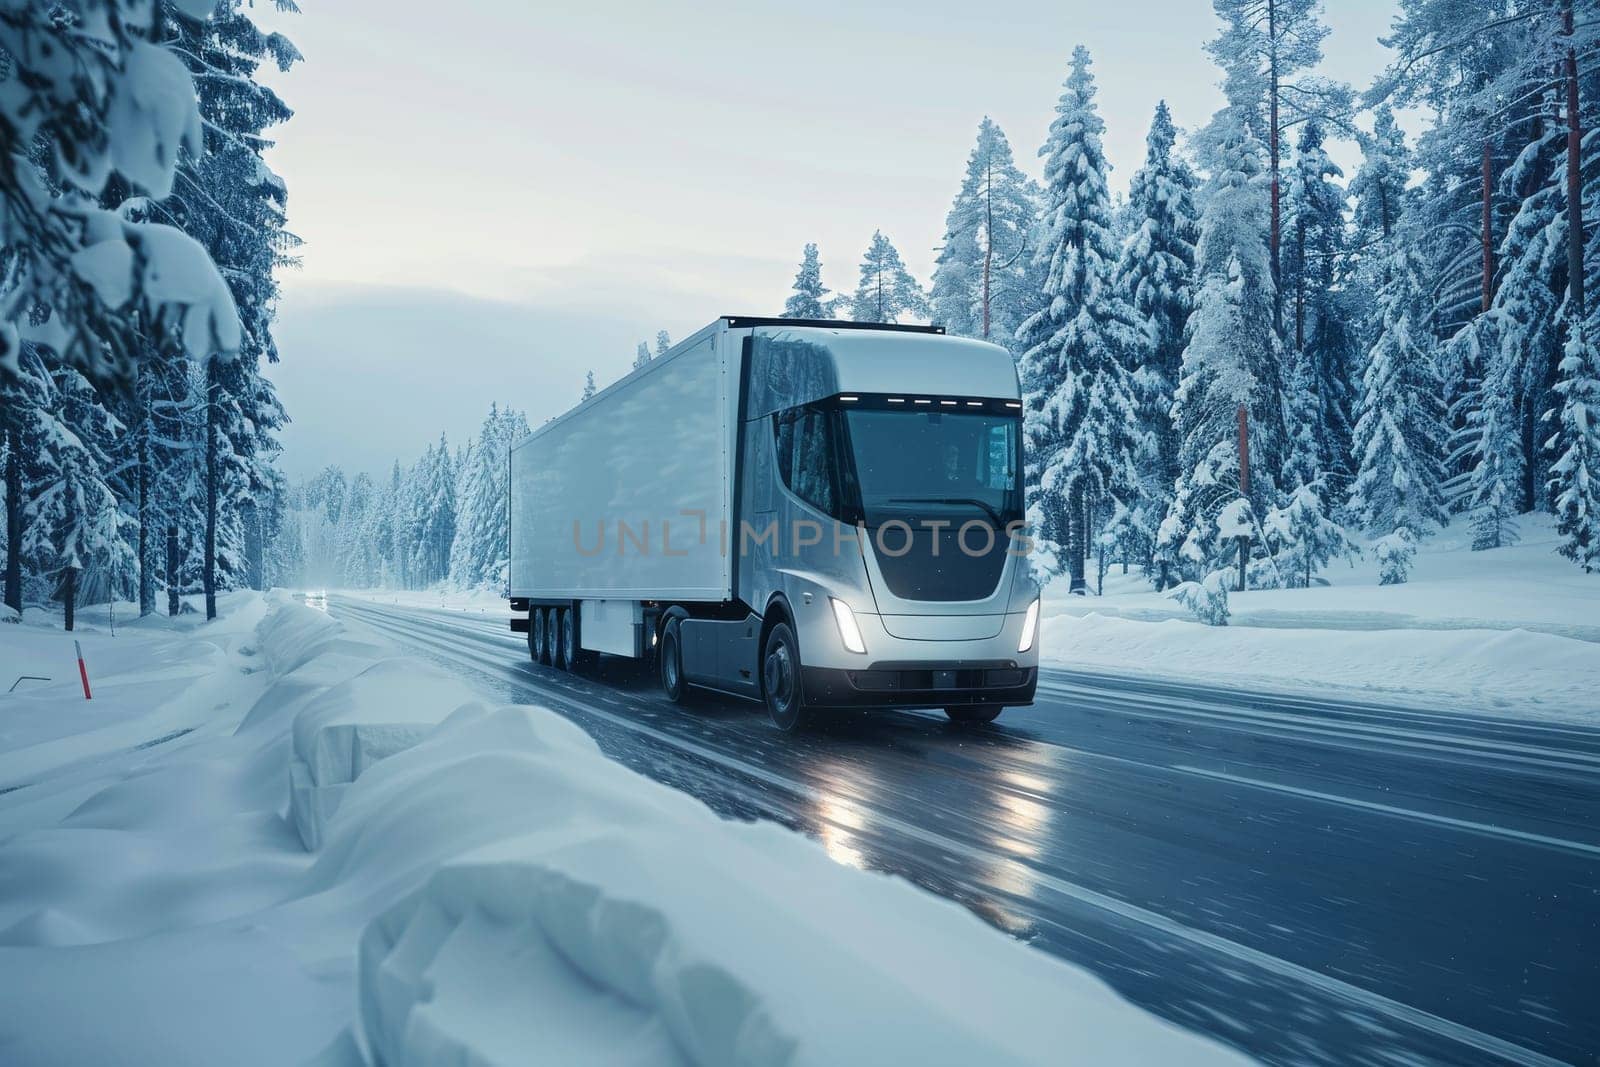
<point>999,522</point>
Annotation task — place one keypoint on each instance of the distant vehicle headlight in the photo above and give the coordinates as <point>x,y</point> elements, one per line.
<point>1030,626</point>
<point>849,632</point>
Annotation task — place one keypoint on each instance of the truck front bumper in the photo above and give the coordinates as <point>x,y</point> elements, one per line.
<point>921,684</point>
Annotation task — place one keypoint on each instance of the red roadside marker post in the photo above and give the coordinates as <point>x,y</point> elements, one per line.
<point>83,672</point>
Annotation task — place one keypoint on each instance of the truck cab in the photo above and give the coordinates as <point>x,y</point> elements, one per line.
<point>869,529</point>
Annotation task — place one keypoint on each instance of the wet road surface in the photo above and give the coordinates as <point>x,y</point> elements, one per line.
<point>1313,881</point>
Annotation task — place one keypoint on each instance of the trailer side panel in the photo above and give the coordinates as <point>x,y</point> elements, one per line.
<point>627,497</point>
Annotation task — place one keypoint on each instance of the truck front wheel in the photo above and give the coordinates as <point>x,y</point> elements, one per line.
<point>780,679</point>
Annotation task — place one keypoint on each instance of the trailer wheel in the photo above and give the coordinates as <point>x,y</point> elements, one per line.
<point>552,619</point>
<point>669,657</point>
<point>573,657</point>
<point>973,713</point>
<point>536,638</point>
<point>781,684</point>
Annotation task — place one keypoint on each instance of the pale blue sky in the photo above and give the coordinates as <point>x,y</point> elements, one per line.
<point>497,196</point>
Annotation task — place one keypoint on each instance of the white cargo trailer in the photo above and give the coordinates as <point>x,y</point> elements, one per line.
<point>816,514</point>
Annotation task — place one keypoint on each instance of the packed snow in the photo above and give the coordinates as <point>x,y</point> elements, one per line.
<point>268,839</point>
<point>1509,631</point>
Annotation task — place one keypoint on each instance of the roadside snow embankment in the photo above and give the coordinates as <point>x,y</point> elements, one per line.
<point>284,844</point>
<point>562,906</point>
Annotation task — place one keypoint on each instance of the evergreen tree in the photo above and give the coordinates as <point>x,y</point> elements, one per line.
<point>886,290</point>
<point>807,300</point>
<point>641,355</point>
<point>482,541</point>
<point>1232,360</point>
<point>1080,417</point>
<point>1379,187</point>
<point>1575,474</point>
<point>663,343</point>
<point>1319,322</point>
<point>1155,275</point>
<point>982,278</point>
<point>588,385</point>
<point>1399,434</point>
<point>1266,49</point>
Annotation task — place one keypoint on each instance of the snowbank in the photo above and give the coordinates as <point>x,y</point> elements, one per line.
<point>482,885</point>
<point>1512,631</point>
<point>596,904</point>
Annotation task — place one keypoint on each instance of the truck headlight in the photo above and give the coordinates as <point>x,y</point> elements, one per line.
<point>849,632</point>
<point>1030,625</point>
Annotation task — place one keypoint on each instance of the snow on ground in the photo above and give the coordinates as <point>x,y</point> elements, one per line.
<point>279,843</point>
<point>1511,631</point>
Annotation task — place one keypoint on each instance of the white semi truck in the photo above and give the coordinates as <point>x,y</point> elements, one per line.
<point>814,514</point>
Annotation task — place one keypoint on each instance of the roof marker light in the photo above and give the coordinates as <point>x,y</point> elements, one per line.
<point>974,403</point>
<point>850,399</point>
<point>947,403</point>
<point>923,401</point>
<point>897,400</point>
<point>1013,404</point>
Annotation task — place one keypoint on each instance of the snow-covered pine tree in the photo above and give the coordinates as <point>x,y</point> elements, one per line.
<point>1318,325</point>
<point>588,385</point>
<point>482,543</point>
<point>1498,465</point>
<point>807,301</point>
<point>1233,359</point>
<point>983,269</point>
<point>886,290</point>
<point>1379,187</point>
<point>1266,49</point>
<point>1302,538</point>
<point>1399,433</point>
<point>434,521</point>
<point>1155,276</point>
<point>1079,416</point>
<point>641,355</point>
<point>1575,474</point>
<point>663,343</point>
<point>96,93</point>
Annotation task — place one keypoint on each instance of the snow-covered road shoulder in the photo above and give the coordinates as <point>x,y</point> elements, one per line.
<point>361,863</point>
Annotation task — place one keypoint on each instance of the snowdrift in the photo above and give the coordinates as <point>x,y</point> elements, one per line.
<point>560,907</point>
<point>302,848</point>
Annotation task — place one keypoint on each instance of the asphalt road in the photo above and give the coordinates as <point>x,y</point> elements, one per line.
<point>1313,881</point>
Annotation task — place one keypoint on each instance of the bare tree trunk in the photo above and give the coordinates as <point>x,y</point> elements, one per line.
<point>1077,530</point>
<point>1272,82</point>
<point>1574,180</point>
<point>1488,227</point>
<point>172,571</point>
<point>147,578</point>
<point>209,571</point>
<point>1244,489</point>
<point>69,595</point>
<point>1300,290</point>
<point>13,595</point>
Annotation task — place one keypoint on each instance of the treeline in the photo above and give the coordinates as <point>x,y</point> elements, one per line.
<point>142,232</point>
<point>1255,352</point>
<point>442,519</point>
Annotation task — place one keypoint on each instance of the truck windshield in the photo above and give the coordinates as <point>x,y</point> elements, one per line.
<point>915,464</point>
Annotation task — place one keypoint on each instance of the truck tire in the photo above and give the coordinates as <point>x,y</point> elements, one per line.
<point>973,713</point>
<point>536,638</point>
<point>781,684</point>
<point>669,658</point>
<point>573,657</point>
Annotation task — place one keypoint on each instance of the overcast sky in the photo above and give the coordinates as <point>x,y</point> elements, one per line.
<point>496,196</point>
